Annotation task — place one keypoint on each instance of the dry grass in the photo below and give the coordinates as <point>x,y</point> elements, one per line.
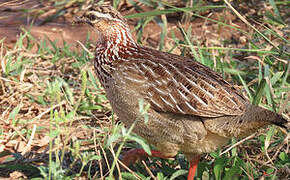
<point>56,121</point>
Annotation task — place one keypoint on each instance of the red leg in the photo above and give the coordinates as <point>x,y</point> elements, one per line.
<point>133,155</point>
<point>193,166</point>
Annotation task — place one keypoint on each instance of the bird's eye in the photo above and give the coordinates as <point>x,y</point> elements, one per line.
<point>92,17</point>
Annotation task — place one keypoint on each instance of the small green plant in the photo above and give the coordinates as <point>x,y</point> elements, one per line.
<point>50,98</point>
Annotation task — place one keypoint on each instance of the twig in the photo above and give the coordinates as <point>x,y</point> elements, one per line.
<point>238,143</point>
<point>30,140</point>
<point>84,47</point>
<point>148,170</point>
<point>99,153</point>
<point>263,163</point>
<point>10,3</point>
<point>115,159</point>
<point>106,159</point>
<point>246,22</point>
<point>128,169</point>
<point>285,141</point>
<point>48,110</point>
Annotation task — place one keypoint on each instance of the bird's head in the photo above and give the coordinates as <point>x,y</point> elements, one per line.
<point>106,20</point>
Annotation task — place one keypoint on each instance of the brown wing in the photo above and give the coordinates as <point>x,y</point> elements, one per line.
<point>176,84</point>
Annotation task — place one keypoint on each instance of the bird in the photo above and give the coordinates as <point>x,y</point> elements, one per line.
<point>192,109</point>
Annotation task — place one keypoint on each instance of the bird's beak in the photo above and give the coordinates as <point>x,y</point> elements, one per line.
<point>81,20</point>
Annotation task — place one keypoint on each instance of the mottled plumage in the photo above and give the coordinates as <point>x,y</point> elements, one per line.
<point>192,108</point>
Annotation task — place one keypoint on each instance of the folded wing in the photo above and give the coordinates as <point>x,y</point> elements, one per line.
<point>181,85</point>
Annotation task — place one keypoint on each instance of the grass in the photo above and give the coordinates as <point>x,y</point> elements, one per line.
<point>56,122</point>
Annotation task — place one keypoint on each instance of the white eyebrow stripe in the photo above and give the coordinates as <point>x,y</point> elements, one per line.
<point>101,15</point>
<point>97,14</point>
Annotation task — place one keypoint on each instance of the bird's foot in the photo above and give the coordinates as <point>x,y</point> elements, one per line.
<point>192,169</point>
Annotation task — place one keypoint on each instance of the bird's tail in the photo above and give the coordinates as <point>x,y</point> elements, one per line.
<point>281,122</point>
<point>273,118</point>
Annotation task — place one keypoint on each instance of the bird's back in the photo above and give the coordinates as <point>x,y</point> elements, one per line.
<point>199,119</point>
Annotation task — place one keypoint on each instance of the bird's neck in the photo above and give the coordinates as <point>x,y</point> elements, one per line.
<point>114,43</point>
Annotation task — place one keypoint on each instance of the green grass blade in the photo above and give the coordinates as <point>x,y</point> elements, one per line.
<point>178,173</point>
<point>168,11</point>
<point>260,92</point>
<point>246,87</point>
